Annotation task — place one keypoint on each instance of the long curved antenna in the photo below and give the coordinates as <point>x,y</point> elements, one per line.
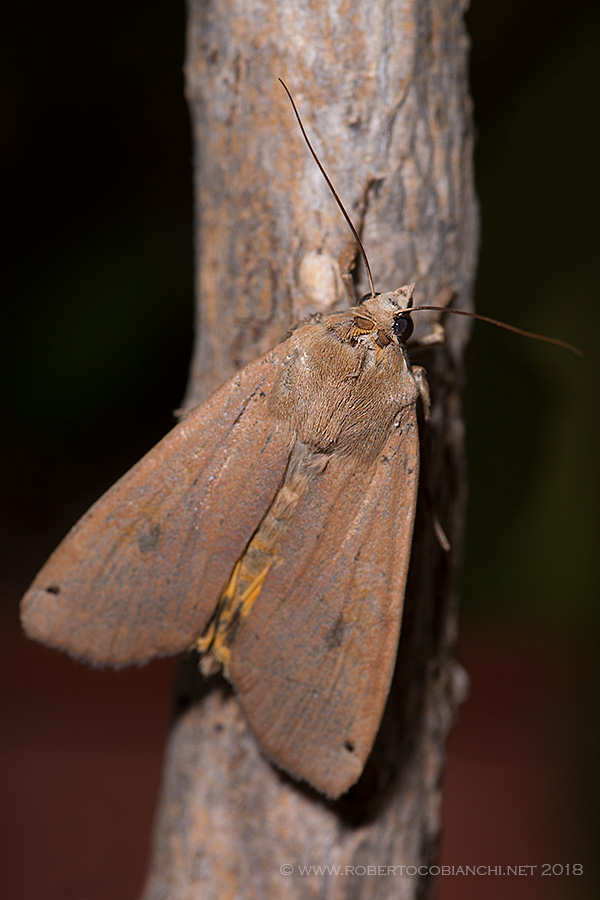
<point>490,321</point>
<point>332,189</point>
<point>442,309</point>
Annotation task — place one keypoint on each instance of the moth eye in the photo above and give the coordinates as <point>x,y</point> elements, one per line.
<point>403,327</point>
<point>368,297</point>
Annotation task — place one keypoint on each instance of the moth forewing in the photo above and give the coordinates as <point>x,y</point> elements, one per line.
<point>314,661</point>
<point>139,575</point>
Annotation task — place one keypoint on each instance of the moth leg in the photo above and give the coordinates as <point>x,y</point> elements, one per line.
<point>216,645</point>
<point>420,376</point>
<point>205,644</point>
<point>440,533</point>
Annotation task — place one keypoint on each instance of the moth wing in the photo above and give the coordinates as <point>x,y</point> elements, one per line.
<point>313,661</point>
<point>139,574</point>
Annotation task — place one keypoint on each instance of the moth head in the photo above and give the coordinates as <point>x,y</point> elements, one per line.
<point>392,311</point>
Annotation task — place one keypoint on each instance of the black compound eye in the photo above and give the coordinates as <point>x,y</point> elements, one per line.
<point>403,327</point>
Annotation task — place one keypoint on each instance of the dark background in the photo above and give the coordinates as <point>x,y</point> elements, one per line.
<point>97,326</point>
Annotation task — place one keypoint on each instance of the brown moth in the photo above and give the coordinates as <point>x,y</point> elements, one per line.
<point>271,531</point>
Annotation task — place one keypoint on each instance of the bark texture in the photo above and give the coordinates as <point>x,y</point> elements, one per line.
<point>382,88</point>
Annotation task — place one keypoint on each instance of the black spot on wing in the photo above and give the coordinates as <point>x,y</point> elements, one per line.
<point>335,635</point>
<point>148,542</point>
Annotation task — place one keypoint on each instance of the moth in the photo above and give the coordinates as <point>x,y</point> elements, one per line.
<point>270,530</point>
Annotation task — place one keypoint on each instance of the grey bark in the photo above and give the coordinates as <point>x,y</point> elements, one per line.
<point>382,88</point>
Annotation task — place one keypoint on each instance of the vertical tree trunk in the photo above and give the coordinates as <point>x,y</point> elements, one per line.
<point>382,89</point>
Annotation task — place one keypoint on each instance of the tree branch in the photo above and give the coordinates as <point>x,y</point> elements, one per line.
<point>382,90</point>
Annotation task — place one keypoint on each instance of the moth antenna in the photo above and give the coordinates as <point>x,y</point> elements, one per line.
<point>490,321</point>
<point>332,189</point>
